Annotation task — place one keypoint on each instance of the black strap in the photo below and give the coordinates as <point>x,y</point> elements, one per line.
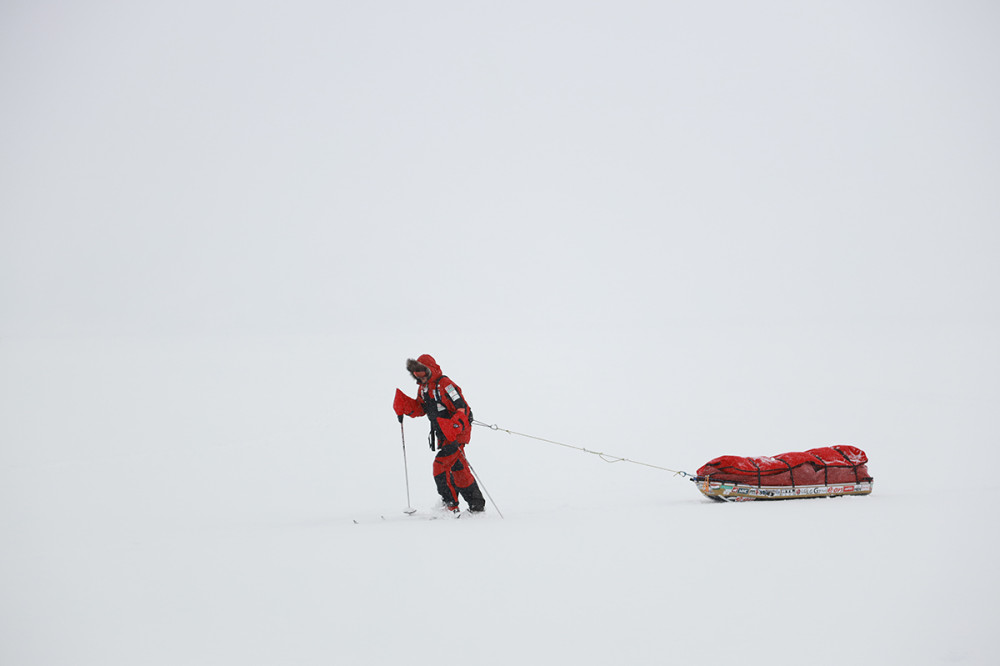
<point>758,470</point>
<point>791,472</point>
<point>854,466</point>
<point>826,471</point>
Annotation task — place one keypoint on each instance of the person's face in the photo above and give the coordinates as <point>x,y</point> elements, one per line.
<point>421,374</point>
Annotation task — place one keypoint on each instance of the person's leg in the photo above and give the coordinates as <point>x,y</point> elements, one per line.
<point>444,480</point>
<point>465,482</point>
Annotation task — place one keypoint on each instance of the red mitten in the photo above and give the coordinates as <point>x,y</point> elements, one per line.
<point>405,405</point>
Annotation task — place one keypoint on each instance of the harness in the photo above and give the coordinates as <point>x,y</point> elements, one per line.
<point>440,404</point>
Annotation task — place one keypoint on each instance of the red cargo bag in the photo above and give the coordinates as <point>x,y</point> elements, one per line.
<point>826,471</point>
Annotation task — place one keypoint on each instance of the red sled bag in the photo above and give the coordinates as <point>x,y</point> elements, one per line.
<point>824,472</point>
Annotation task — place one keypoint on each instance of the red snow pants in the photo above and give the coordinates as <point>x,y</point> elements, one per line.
<point>452,475</point>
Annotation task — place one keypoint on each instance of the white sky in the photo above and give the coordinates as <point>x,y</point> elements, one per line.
<point>310,167</point>
<point>664,230</point>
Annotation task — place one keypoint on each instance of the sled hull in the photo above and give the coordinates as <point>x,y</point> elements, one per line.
<point>728,491</point>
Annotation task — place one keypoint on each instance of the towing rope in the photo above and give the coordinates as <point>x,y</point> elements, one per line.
<point>603,456</point>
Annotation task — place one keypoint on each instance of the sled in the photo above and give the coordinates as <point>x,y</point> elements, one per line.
<point>834,471</point>
<point>741,492</point>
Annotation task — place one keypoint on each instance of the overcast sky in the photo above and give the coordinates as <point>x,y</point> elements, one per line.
<point>664,230</point>
<point>234,168</point>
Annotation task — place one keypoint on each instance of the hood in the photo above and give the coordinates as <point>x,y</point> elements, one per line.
<point>428,360</point>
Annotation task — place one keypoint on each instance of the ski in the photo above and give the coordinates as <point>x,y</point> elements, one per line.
<point>411,514</point>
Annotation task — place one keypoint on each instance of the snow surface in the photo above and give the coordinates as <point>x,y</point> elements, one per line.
<point>183,504</point>
<point>666,232</point>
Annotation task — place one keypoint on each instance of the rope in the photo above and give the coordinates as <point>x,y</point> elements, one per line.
<point>603,456</point>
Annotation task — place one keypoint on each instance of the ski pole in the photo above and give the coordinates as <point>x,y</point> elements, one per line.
<point>406,469</point>
<point>483,486</point>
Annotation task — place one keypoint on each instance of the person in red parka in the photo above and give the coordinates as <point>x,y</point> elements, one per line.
<point>441,400</point>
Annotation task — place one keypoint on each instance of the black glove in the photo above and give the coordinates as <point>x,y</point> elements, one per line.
<point>400,418</point>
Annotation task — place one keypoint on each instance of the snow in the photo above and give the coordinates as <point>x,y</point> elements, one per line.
<point>666,233</point>
<point>193,503</point>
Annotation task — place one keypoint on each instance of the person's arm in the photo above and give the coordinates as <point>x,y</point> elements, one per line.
<point>404,405</point>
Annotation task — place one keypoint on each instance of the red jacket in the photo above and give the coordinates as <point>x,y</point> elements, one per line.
<point>441,400</point>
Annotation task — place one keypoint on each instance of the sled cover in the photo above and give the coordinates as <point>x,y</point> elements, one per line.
<point>824,466</point>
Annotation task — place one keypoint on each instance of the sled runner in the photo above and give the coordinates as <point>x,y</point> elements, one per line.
<point>830,471</point>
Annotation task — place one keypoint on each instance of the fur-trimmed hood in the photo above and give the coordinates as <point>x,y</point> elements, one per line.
<point>426,361</point>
